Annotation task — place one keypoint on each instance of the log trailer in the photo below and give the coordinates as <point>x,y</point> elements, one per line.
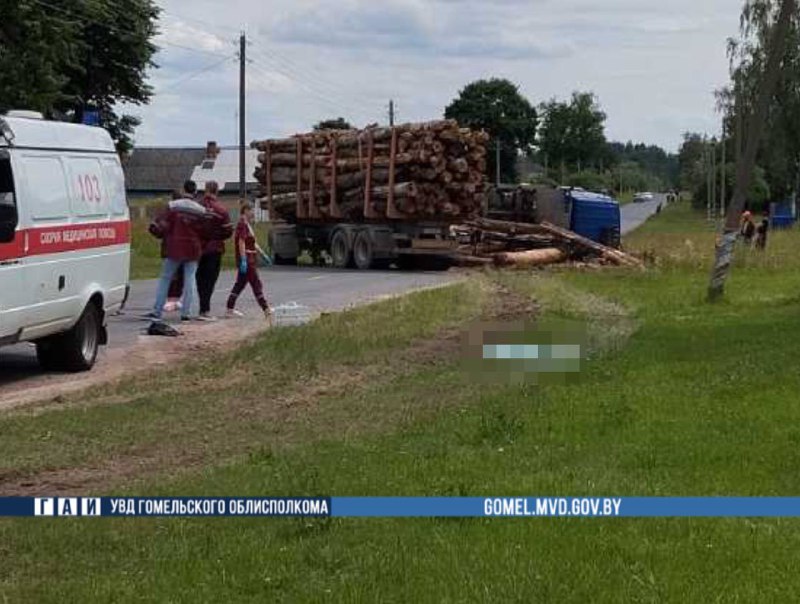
<point>372,198</point>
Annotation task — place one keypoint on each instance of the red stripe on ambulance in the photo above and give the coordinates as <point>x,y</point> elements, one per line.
<point>66,238</point>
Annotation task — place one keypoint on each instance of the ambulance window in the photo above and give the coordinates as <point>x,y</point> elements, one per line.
<point>47,187</point>
<point>8,206</point>
<point>6,178</point>
<point>115,183</point>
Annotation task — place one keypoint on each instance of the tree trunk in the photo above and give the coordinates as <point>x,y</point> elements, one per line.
<point>530,258</point>
<point>744,168</point>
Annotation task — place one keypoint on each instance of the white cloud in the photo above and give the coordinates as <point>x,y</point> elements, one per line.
<point>653,64</point>
<point>182,34</point>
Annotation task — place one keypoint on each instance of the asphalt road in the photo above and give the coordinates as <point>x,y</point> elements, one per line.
<point>635,215</point>
<point>322,290</point>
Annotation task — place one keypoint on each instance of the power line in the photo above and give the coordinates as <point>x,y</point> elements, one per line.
<point>312,87</point>
<point>318,80</point>
<point>86,19</point>
<point>327,101</point>
<point>191,49</point>
<point>78,18</point>
<point>194,74</point>
<point>211,26</point>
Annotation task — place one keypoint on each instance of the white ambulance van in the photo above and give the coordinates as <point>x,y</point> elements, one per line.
<point>64,238</point>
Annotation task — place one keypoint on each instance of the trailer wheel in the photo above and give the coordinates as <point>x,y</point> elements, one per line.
<point>341,254</point>
<point>363,252</point>
<point>75,350</point>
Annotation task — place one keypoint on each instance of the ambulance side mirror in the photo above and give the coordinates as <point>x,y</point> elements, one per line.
<point>8,217</point>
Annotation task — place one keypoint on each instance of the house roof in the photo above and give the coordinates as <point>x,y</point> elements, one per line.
<point>160,169</point>
<point>225,170</point>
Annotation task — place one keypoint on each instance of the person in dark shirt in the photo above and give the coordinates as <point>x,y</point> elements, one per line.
<point>761,234</point>
<point>748,228</point>
<point>176,285</point>
<point>183,227</point>
<point>208,268</point>
<point>247,263</point>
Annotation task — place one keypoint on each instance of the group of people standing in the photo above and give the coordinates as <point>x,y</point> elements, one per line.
<point>749,231</point>
<point>193,230</point>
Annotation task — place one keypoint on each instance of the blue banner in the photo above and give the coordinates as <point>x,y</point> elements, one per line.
<point>403,507</point>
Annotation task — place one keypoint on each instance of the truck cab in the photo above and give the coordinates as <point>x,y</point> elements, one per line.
<point>592,215</point>
<point>64,238</point>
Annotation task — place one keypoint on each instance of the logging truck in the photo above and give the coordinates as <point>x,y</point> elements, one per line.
<point>374,197</point>
<point>380,196</point>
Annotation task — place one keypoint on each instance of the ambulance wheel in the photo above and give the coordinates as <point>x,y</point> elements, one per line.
<point>75,350</point>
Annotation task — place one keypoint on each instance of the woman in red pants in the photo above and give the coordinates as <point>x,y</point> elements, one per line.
<point>247,262</point>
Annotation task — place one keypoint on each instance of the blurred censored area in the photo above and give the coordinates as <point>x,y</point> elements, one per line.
<point>549,351</point>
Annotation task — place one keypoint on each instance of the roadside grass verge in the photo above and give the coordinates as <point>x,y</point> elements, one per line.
<point>701,400</point>
<point>218,406</point>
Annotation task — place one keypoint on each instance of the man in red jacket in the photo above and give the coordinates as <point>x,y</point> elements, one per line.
<point>183,226</point>
<point>210,262</point>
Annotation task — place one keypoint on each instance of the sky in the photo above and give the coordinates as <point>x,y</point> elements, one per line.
<point>654,65</point>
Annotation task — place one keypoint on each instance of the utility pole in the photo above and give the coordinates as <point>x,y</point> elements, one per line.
<point>391,113</point>
<point>497,160</point>
<point>242,122</point>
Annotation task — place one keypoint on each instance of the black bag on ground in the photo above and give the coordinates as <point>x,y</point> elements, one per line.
<point>159,328</point>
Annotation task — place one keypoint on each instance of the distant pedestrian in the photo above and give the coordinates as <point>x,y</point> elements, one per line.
<point>210,263</point>
<point>247,264</point>
<point>748,228</point>
<point>761,234</point>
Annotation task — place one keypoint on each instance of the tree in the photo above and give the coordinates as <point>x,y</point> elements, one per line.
<point>554,135</point>
<point>338,123</point>
<point>497,106</point>
<point>572,134</point>
<point>691,164</point>
<point>65,58</point>
<point>650,158</point>
<point>587,143</point>
<point>765,44</point>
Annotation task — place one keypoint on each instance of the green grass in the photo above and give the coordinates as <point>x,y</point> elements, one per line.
<point>146,250</point>
<point>229,401</point>
<point>681,398</point>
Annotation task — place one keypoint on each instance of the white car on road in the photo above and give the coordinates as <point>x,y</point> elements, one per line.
<point>643,197</point>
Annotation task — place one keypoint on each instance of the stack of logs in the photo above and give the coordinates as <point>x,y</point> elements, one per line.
<point>430,171</point>
<point>505,243</point>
